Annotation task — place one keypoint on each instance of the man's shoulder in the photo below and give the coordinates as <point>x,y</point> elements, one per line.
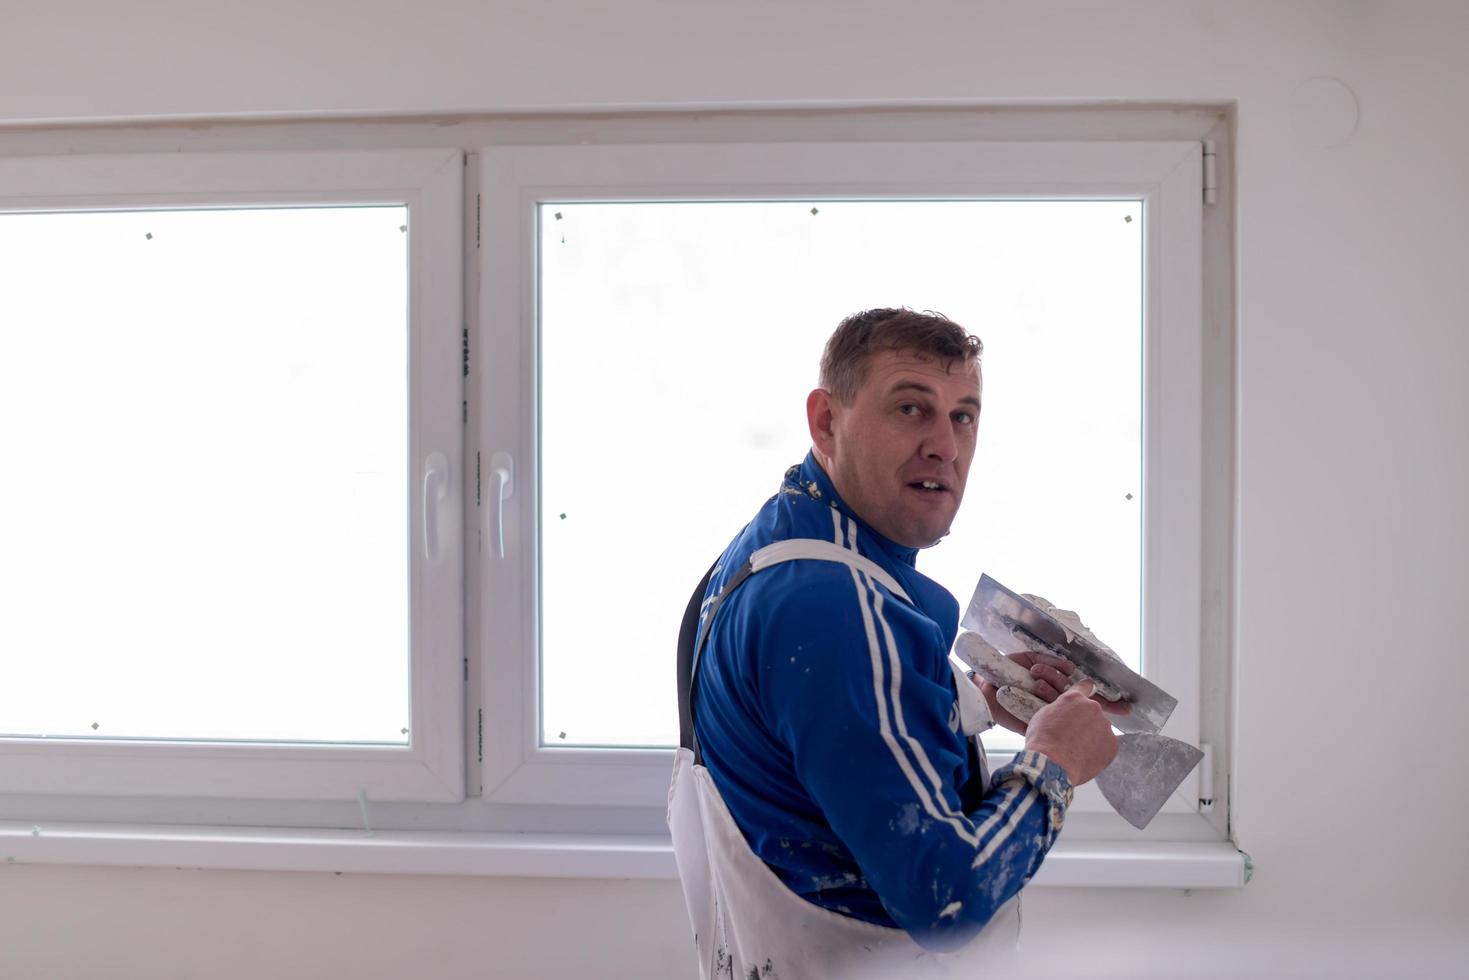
<point>822,597</point>
<point>788,514</point>
<point>804,581</point>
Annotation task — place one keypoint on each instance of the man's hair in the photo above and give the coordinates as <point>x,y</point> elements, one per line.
<point>859,336</point>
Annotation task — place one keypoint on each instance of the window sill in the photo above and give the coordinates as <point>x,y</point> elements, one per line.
<point>1214,864</point>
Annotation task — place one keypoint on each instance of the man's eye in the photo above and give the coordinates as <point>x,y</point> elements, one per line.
<point>964,418</point>
<point>908,409</point>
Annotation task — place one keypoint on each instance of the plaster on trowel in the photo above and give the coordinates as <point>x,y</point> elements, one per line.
<point>1148,766</point>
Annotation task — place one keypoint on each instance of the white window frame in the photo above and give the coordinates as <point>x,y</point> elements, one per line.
<point>549,816</point>
<point>1165,175</point>
<point>431,766</point>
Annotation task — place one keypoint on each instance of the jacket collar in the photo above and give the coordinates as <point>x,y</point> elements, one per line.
<point>811,480</point>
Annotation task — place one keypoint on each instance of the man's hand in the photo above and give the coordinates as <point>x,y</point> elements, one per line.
<point>1052,675</point>
<point>1073,732</point>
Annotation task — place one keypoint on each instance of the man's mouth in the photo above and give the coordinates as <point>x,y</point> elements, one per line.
<point>929,486</point>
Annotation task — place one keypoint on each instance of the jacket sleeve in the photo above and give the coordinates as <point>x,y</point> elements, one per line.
<point>856,684</point>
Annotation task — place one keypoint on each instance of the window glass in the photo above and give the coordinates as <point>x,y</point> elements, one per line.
<point>203,485</point>
<point>678,343</point>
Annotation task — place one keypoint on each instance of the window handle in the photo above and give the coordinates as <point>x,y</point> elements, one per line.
<point>435,492</point>
<point>503,467</point>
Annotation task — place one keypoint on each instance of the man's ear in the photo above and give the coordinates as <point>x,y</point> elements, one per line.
<point>820,418</point>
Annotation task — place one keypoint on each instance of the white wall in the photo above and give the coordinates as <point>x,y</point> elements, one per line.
<point>1353,434</point>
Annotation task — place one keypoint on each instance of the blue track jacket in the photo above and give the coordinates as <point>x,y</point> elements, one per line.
<point>827,715</point>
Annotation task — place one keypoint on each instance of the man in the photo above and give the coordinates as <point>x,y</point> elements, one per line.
<point>830,816</point>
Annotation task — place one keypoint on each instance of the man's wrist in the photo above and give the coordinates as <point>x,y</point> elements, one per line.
<point>1044,749</point>
<point>1048,778</point>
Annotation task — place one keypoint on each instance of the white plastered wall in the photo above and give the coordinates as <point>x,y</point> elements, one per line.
<point>1352,433</point>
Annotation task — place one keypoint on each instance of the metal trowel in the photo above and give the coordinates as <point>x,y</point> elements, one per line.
<point>1148,766</point>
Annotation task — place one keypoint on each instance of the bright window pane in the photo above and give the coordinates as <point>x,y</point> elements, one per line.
<point>203,506</point>
<point>678,342</point>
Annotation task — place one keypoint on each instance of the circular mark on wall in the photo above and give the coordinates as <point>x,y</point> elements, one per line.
<point>1323,112</point>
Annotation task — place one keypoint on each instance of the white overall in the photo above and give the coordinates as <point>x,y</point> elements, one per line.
<point>748,924</point>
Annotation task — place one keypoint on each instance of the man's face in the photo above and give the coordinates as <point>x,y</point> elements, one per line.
<point>899,454</point>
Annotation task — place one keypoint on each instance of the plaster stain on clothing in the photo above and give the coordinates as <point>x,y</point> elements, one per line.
<point>823,882</point>
<point>908,819</point>
<point>999,882</point>
<point>950,910</point>
<point>809,488</point>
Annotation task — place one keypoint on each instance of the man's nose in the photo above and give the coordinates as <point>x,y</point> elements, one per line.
<point>939,441</point>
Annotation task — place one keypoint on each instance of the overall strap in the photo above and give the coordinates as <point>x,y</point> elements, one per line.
<point>688,640</point>
<point>692,637</point>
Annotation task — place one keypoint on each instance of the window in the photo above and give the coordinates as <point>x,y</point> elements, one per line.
<point>666,307</point>
<point>231,444</point>
<point>695,328</point>
<point>328,504</point>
